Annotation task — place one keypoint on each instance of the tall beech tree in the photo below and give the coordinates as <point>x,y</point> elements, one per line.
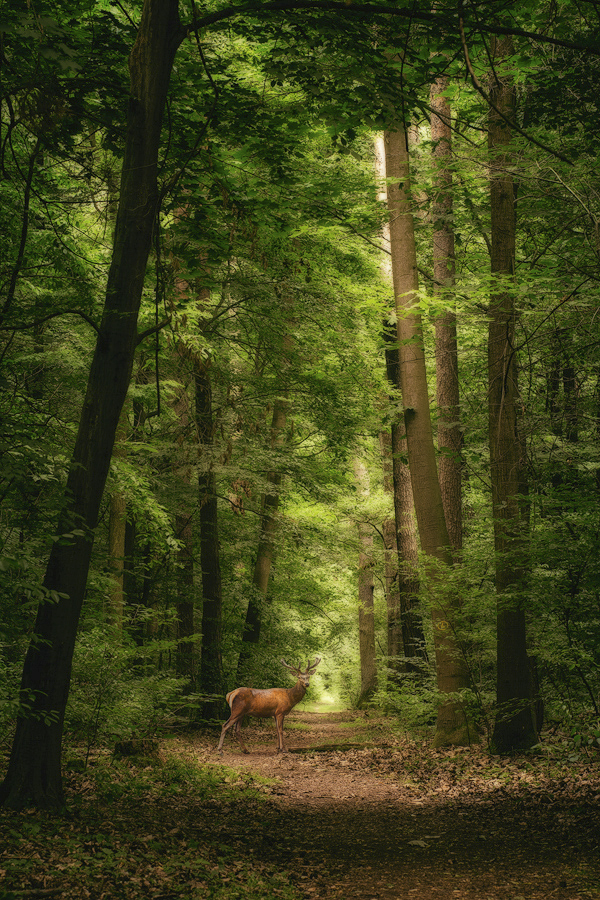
<point>514,728</point>
<point>452,725</point>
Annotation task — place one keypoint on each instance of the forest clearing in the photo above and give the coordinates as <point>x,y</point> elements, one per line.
<point>355,810</point>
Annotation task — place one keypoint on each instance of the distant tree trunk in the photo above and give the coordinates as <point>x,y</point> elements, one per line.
<point>211,664</point>
<point>34,772</point>
<point>266,544</point>
<point>185,662</point>
<point>514,728</point>
<point>395,644</point>
<point>452,726</point>
<point>449,435</point>
<point>413,638</point>
<point>184,575</point>
<point>570,395</point>
<point>366,611</point>
<point>117,523</point>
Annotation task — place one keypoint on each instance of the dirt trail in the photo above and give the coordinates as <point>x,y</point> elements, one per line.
<point>356,813</point>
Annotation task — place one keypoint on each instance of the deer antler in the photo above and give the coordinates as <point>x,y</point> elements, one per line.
<point>298,671</point>
<point>294,669</point>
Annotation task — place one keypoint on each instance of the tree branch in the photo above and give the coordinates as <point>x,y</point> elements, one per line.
<point>64,312</point>
<point>348,8</point>
<point>478,87</point>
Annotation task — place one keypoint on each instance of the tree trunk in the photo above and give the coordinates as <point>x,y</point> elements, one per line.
<point>413,638</point>
<point>211,664</point>
<point>117,524</point>
<point>185,585</point>
<point>185,662</point>
<point>395,644</point>
<point>449,435</point>
<point>405,627</point>
<point>514,727</point>
<point>34,772</point>
<point>452,726</point>
<point>266,544</point>
<point>366,611</point>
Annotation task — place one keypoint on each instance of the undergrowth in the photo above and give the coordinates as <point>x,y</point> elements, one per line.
<point>132,832</point>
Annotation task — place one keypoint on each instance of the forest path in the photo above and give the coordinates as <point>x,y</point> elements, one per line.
<point>355,813</point>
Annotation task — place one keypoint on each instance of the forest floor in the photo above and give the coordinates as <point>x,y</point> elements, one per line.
<point>354,811</point>
<point>358,813</point>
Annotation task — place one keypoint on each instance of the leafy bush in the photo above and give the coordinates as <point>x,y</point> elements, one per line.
<point>107,700</point>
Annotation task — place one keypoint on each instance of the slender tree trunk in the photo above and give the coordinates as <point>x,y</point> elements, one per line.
<point>413,638</point>
<point>515,720</point>
<point>211,664</point>
<point>449,433</point>
<point>34,771</point>
<point>266,544</point>
<point>366,610</point>
<point>452,726</point>
<point>185,583</point>
<point>117,523</point>
<point>395,644</point>
<point>185,662</point>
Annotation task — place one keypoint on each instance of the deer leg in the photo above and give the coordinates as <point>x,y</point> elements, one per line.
<point>230,721</point>
<point>281,748</point>
<point>238,735</point>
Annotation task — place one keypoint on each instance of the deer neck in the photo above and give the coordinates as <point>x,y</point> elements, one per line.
<point>297,692</point>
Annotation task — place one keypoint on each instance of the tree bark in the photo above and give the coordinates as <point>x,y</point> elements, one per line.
<point>514,726</point>
<point>449,434</point>
<point>452,725</point>
<point>34,771</point>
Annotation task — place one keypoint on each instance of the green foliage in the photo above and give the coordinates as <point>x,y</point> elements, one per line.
<point>109,700</point>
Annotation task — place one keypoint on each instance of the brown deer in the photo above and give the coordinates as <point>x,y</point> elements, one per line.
<point>276,702</point>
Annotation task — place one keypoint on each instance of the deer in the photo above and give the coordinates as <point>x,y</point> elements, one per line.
<point>276,702</point>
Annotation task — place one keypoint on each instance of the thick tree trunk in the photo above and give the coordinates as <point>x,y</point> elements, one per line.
<point>366,609</point>
<point>211,664</point>
<point>34,772</point>
<point>449,435</point>
<point>514,727</point>
<point>452,726</point>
